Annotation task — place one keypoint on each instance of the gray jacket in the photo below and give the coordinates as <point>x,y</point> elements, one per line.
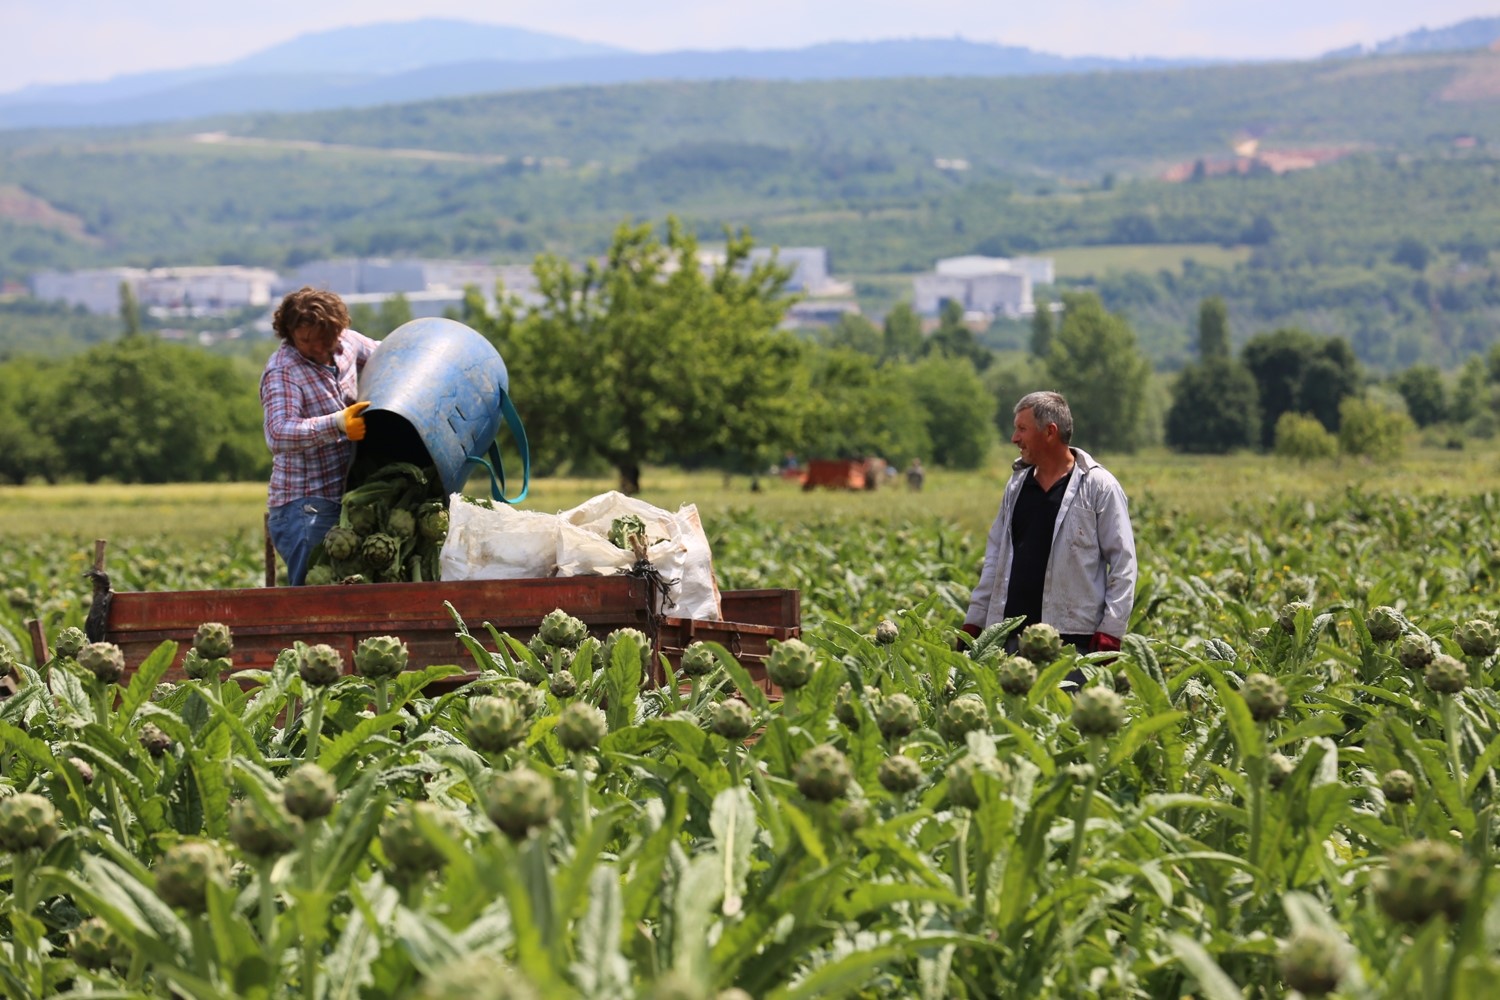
<point>1090,585</point>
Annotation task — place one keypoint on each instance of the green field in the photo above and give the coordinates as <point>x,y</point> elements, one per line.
<point>1075,263</point>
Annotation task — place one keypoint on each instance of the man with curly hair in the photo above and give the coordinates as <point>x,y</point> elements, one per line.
<point>309,392</point>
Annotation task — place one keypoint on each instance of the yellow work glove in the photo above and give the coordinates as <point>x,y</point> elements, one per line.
<point>351,423</point>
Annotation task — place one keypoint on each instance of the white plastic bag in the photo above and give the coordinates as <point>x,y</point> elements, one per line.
<point>676,545</point>
<point>499,544</point>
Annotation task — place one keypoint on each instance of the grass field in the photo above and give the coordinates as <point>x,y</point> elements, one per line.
<point>1209,489</point>
<point>1095,261</point>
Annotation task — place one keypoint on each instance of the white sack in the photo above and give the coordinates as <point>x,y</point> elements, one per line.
<point>499,544</point>
<point>676,545</point>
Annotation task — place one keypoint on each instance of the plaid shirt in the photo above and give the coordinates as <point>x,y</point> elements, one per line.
<point>310,455</point>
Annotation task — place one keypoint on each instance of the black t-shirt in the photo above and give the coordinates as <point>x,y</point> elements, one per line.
<point>1031,527</point>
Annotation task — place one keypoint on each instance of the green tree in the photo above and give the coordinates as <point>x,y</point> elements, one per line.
<point>140,411</point>
<point>1411,252</point>
<point>856,333</point>
<point>855,407</point>
<point>1213,329</point>
<point>130,311</point>
<point>954,338</point>
<point>1370,429</point>
<point>28,449</point>
<point>1097,365</point>
<point>1041,329</point>
<point>394,312</point>
<point>1215,408</point>
<point>903,332</point>
<point>1303,438</point>
<point>1421,386</point>
<point>643,357</point>
<point>959,410</point>
<point>1297,372</point>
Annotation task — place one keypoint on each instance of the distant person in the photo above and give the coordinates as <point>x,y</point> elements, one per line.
<point>313,419</point>
<point>915,475</point>
<point>1061,550</point>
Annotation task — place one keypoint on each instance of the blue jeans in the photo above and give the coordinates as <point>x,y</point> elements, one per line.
<point>296,529</point>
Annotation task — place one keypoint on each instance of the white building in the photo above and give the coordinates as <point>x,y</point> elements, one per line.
<point>98,291</point>
<point>189,289</point>
<point>809,266</point>
<point>992,286</point>
<point>371,275</point>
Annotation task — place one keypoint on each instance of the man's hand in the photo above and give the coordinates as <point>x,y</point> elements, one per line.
<point>972,631</point>
<point>351,423</point>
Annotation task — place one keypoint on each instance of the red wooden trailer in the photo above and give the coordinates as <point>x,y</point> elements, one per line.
<point>265,621</point>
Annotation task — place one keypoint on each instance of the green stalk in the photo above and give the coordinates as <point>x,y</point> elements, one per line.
<point>732,759</point>
<point>1256,766</point>
<point>20,909</point>
<point>961,861</point>
<point>267,909</point>
<point>314,725</point>
<point>1085,804</point>
<point>382,700</point>
<point>1450,732</point>
<point>581,778</point>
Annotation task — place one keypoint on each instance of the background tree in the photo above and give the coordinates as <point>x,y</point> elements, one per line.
<point>1213,329</point>
<point>856,333</point>
<point>141,411</point>
<point>1041,329</point>
<point>1215,408</point>
<point>903,332</point>
<point>1297,372</point>
<point>1096,363</point>
<point>1303,438</point>
<point>959,411</point>
<point>1012,376</point>
<point>130,311</point>
<point>1370,429</point>
<point>643,356</point>
<point>1411,252</point>
<point>854,407</point>
<point>1426,398</point>
<point>27,393</point>
<point>954,338</point>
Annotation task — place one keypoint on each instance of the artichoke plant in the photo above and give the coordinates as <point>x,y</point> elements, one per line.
<point>963,715</point>
<point>1098,711</point>
<point>69,641</point>
<point>309,792</point>
<point>900,774</point>
<point>1313,961</point>
<point>519,801</point>
<point>496,724</point>
<point>185,871</point>
<point>404,842</point>
<point>1265,697</point>
<point>791,664</point>
<point>562,685</point>
<point>95,945</point>
<point>1425,879</point>
<point>580,727</point>
<point>962,789</point>
<point>104,660</point>
<point>320,665</point>
<point>213,641</point>
<point>401,525</point>
<point>380,657</point>
<point>822,773</point>
<point>559,628</point>
<point>155,741</point>
<point>1287,616</point>
<point>732,720</point>
<point>1040,643</point>
<point>886,632</point>
<point>28,822</point>
<point>1384,623</point>
<point>263,831</point>
<point>379,551</point>
<point>897,716</point>
<point>698,660</point>
<point>1016,675</point>
<point>1398,786</point>
<point>1477,638</point>
<point>1279,767</point>
<point>1414,651</point>
<point>1446,674</point>
<point>341,543</point>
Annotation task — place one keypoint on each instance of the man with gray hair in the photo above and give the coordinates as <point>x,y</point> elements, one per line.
<point>1061,550</point>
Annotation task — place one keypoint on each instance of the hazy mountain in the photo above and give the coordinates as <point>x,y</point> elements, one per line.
<point>326,56</point>
<point>380,64</point>
<point>1475,33</point>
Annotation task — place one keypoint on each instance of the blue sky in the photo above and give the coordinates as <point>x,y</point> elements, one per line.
<point>68,41</point>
